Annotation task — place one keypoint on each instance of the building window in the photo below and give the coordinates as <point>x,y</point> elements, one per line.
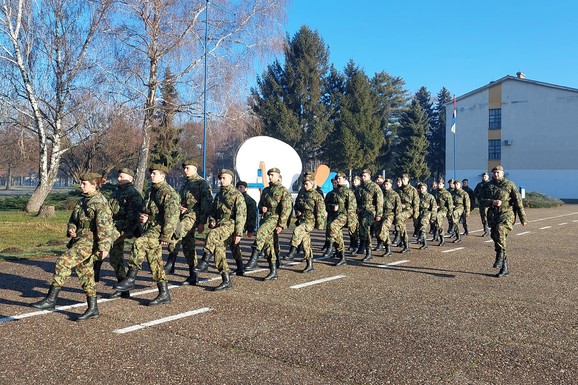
<point>495,118</point>
<point>494,149</point>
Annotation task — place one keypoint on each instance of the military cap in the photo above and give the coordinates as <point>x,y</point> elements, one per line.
<point>340,174</point>
<point>441,180</point>
<point>356,177</point>
<point>226,171</point>
<point>242,183</point>
<point>274,169</point>
<point>90,176</point>
<point>379,177</point>
<point>388,180</point>
<point>486,174</point>
<point>126,171</point>
<point>308,177</point>
<point>159,167</point>
<point>365,171</point>
<point>190,162</point>
<point>405,176</point>
<point>419,185</point>
<point>498,168</point>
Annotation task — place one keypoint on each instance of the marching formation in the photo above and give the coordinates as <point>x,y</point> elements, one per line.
<point>368,209</point>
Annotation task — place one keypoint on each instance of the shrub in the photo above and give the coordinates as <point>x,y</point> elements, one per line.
<point>537,200</point>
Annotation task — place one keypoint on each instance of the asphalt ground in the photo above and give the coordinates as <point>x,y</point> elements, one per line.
<point>435,316</point>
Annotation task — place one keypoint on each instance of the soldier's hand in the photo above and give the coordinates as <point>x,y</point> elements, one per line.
<point>497,203</point>
<point>278,229</point>
<point>184,209</point>
<point>72,233</point>
<point>378,218</point>
<point>164,243</point>
<point>103,254</point>
<point>237,240</point>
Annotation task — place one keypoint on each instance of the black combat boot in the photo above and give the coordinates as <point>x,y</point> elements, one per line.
<point>423,241</point>
<point>457,235</point>
<point>486,231</point>
<point>362,246</point>
<point>170,265</point>
<point>239,271</point>
<point>48,303</point>
<point>341,261</point>
<point>466,232</point>
<point>96,266</point>
<point>434,232</point>
<point>396,240</point>
<point>193,279</point>
<point>354,243</point>
<point>328,252</point>
<point>203,264</point>
<point>441,238</point>
<point>291,255</point>
<point>499,259</point>
<point>326,245</point>
<point>252,262</point>
<point>368,256</point>
<point>129,282</point>
<point>121,294</point>
<point>405,247</point>
<point>226,284</point>
<point>92,311</point>
<point>164,296</point>
<point>272,272</point>
<point>504,270</point>
<point>387,250</point>
<point>308,266</point>
<point>379,246</point>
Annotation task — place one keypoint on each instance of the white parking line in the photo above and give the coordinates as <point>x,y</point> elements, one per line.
<point>162,320</point>
<point>545,227</point>
<point>454,249</point>
<point>548,218</point>
<point>489,240</point>
<point>302,285</point>
<point>562,224</point>
<point>575,220</point>
<point>524,233</point>
<point>394,263</point>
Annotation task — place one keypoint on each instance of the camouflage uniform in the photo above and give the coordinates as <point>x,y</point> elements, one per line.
<point>341,209</point>
<point>278,201</point>
<point>410,199</point>
<point>461,207</point>
<point>445,204</point>
<point>250,226</point>
<point>125,203</point>
<point>370,205</point>
<point>227,218</point>
<point>196,197</point>
<point>91,218</point>
<point>161,203</point>
<point>480,193</point>
<point>391,209</point>
<point>428,209</point>
<point>310,211</point>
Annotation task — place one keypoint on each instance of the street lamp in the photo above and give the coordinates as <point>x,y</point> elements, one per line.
<point>205,95</point>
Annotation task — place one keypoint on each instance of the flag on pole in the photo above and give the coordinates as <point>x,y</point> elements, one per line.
<point>454,117</point>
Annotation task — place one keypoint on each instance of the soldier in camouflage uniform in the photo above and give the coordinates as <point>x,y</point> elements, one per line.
<point>250,226</point>
<point>159,218</point>
<point>227,218</point>
<point>479,192</point>
<point>409,209</point>
<point>90,228</point>
<point>370,209</point>
<point>391,209</point>
<point>196,198</point>
<point>310,214</point>
<point>504,204</point>
<point>125,203</point>
<point>427,211</point>
<point>461,208</point>
<point>275,205</point>
<point>353,221</point>
<point>445,205</point>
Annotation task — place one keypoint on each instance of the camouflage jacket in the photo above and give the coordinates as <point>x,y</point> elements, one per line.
<point>505,191</point>
<point>278,201</point>
<point>126,203</point>
<point>427,204</point>
<point>229,207</point>
<point>92,218</point>
<point>391,204</point>
<point>350,202</point>
<point>371,198</point>
<point>461,199</point>
<point>445,201</point>
<point>410,199</point>
<point>310,208</point>
<point>251,223</point>
<point>480,191</point>
<point>161,203</point>
<point>197,197</point>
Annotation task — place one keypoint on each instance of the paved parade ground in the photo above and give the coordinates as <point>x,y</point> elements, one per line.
<point>435,316</point>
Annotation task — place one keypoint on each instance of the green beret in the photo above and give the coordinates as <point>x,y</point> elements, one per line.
<point>189,162</point>
<point>274,169</point>
<point>498,168</point>
<point>159,167</point>
<point>341,174</point>
<point>126,171</point>
<point>90,176</point>
<point>226,171</point>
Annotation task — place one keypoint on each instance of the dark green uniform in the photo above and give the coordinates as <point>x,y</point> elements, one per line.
<point>480,193</point>
<point>278,201</point>
<point>445,204</point>
<point>461,208</point>
<point>391,209</point>
<point>310,213</point>
<point>428,209</point>
<point>341,207</point>
<point>410,209</point>
<point>370,205</point>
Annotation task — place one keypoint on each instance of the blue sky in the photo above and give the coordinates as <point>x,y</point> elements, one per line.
<point>461,45</point>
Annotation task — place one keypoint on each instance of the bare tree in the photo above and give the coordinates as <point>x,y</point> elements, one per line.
<point>158,33</point>
<point>45,49</point>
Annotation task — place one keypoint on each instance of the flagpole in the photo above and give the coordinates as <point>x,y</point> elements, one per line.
<point>454,115</point>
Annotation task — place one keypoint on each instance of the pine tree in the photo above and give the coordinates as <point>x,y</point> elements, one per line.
<point>413,145</point>
<point>436,158</point>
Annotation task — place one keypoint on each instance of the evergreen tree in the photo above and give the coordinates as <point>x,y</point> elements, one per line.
<point>166,148</point>
<point>290,99</point>
<point>436,158</point>
<point>413,144</point>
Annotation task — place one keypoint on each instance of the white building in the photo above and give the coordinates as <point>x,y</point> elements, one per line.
<point>529,127</point>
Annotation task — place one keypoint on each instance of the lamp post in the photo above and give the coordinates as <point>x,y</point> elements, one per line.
<point>205,95</point>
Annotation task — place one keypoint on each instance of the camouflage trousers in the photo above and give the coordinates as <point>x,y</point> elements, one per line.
<point>386,224</point>
<point>353,227</point>
<point>148,246</point>
<point>439,220</point>
<point>302,233</point>
<point>334,231</point>
<point>501,225</point>
<point>117,258</point>
<point>81,257</point>
<point>266,239</point>
<point>366,219</point>
<point>456,216</point>
<point>217,241</point>
<point>484,216</point>
<point>424,221</point>
<point>187,242</point>
<point>400,225</point>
